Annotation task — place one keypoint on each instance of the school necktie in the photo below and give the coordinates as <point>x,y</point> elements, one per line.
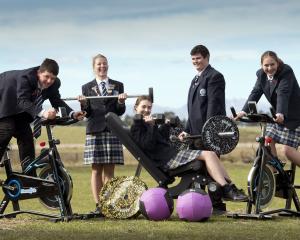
<point>37,122</point>
<point>196,80</point>
<point>103,88</point>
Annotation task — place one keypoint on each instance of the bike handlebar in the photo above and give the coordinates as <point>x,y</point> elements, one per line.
<point>255,117</point>
<point>59,121</point>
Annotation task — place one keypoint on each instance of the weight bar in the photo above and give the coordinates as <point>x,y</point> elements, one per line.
<point>150,94</point>
<point>221,134</point>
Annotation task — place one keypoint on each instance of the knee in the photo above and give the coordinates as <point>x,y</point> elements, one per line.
<point>209,155</point>
<point>287,151</point>
<point>109,169</point>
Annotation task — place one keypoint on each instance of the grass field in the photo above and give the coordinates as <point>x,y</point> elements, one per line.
<point>237,163</point>
<point>217,227</point>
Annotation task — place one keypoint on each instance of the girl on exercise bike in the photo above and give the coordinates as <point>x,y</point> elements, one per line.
<point>278,83</point>
<point>154,141</point>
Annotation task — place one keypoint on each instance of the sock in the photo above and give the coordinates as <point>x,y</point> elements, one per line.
<point>226,188</point>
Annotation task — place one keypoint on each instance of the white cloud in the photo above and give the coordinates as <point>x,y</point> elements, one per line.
<point>149,44</point>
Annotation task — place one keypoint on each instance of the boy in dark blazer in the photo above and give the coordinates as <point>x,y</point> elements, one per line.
<point>206,98</point>
<point>19,92</point>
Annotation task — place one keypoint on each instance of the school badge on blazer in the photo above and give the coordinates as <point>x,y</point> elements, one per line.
<point>111,90</point>
<point>202,92</point>
<point>96,90</point>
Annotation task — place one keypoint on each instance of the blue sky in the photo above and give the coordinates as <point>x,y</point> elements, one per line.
<point>148,42</point>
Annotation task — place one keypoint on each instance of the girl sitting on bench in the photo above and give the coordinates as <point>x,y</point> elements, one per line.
<point>154,141</point>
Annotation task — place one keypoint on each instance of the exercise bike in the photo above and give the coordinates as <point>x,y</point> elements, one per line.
<point>267,177</point>
<point>53,186</point>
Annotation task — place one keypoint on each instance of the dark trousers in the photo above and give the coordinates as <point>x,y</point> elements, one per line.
<point>16,126</point>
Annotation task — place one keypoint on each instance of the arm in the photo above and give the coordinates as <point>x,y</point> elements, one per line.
<point>255,95</point>
<point>164,130</point>
<point>144,135</point>
<point>216,93</point>
<point>54,97</point>
<point>86,106</point>
<point>285,88</point>
<point>24,95</point>
<point>120,106</point>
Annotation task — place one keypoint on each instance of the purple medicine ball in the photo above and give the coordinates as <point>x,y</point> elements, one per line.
<point>156,204</point>
<point>194,205</point>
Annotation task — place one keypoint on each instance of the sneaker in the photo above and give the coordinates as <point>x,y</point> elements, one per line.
<point>232,193</point>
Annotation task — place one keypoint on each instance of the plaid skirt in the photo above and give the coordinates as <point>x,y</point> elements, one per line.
<point>183,157</point>
<point>283,135</point>
<point>103,148</point>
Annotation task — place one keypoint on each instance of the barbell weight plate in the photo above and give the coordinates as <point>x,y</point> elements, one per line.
<point>119,197</point>
<point>213,141</point>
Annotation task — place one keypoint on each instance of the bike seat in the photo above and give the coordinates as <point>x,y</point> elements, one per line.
<point>193,166</point>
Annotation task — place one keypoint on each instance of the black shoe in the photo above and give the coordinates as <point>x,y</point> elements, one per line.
<point>97,212</point>
<point>232,193</point>
<point>219,208</point>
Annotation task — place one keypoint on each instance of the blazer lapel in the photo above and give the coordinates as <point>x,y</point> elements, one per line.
<point>95,88</point>
<point>273,85</point>
<point>194,87</point>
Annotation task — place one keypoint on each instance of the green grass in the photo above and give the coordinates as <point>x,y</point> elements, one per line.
<point>217,227</point>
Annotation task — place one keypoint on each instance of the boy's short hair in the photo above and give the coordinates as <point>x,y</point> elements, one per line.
<point>200,49</point>
<point>49,65</point>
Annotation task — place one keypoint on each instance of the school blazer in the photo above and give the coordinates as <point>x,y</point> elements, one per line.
<point>97,108</point>
<point>205,100</point>
<point>283,94</point>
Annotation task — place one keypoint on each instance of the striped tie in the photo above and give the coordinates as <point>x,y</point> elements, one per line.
<point>37,126</point>
<point>196,81</point>
<point>103,88</point>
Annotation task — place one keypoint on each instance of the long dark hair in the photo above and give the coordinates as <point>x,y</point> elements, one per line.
<point>274,56</point>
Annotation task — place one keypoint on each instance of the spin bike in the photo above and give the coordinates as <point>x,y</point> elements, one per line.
<point>53,186</point>
<point>268,178</point>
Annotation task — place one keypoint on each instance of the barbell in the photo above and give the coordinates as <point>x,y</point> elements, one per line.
<point>150,94</point>
<point>220,134</point>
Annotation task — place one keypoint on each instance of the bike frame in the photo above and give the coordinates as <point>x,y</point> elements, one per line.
<point>54,187</point>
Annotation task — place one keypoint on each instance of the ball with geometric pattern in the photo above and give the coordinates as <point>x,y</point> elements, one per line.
<point>194,205</point>
<point>156,204</point>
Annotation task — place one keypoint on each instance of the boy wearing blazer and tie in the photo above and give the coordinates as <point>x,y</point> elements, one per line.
<point>206,98</point>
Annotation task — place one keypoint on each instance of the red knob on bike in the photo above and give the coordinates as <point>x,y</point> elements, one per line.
<point>268,140</point>
<point>42,144</point>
